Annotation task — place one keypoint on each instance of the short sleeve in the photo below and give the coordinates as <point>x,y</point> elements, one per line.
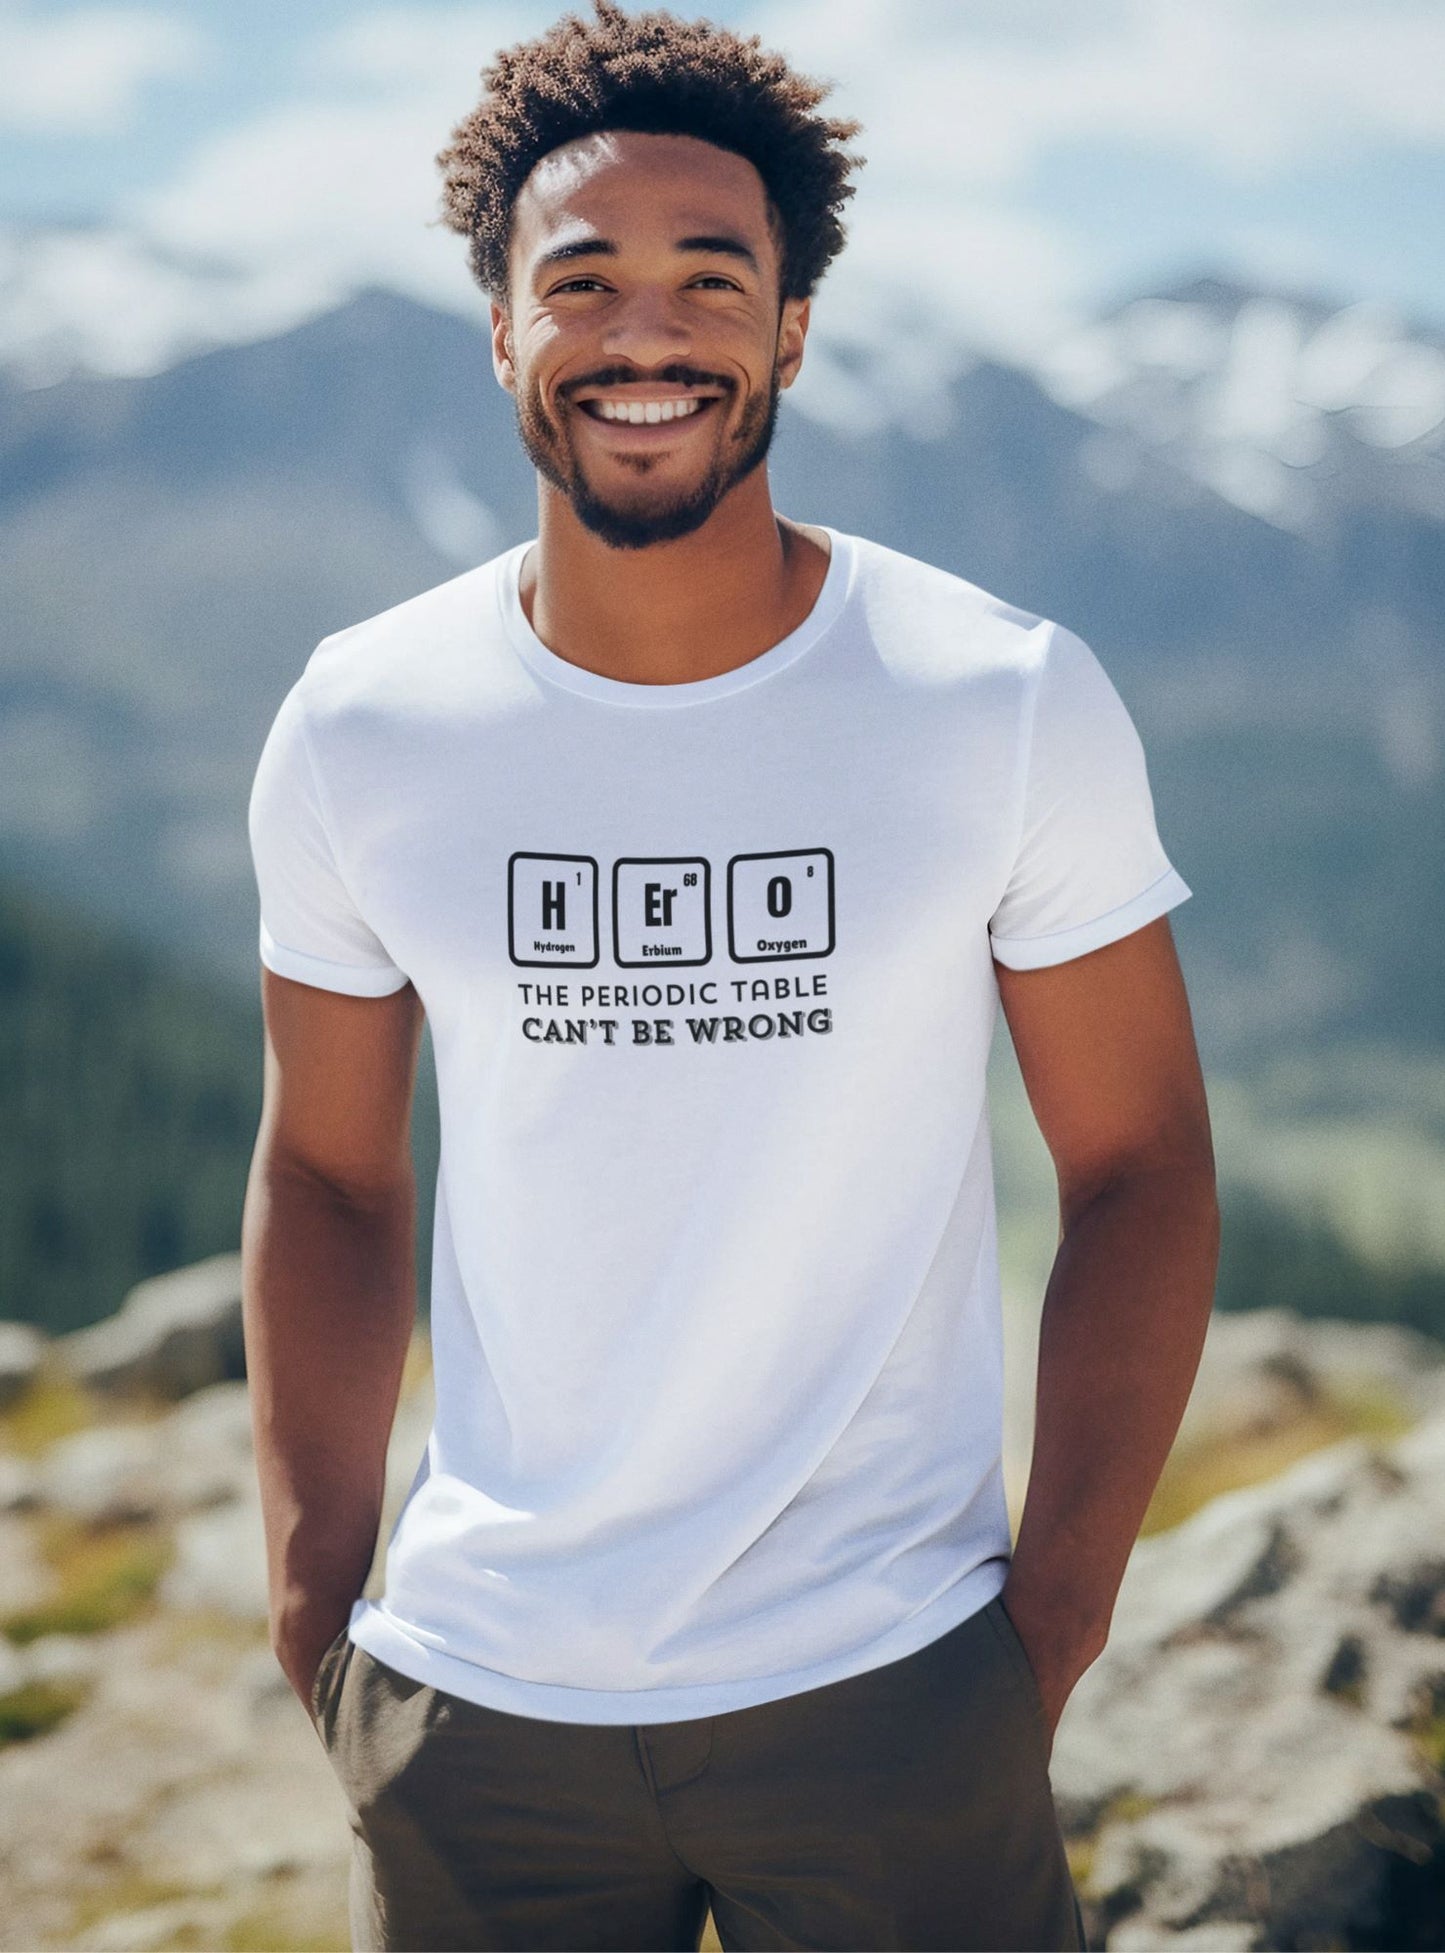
<point>311,929</point>
<point>1089,866</point>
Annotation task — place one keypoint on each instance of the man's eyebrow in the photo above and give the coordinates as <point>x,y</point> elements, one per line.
<point>582,247</point>
<point>721,245</point>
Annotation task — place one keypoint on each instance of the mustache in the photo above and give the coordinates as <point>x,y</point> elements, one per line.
<point>674,375</point>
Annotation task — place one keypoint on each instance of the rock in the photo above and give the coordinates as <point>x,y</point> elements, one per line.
<point>22,1351</point>
<point>1262,1368</point>
<point>219,1563</point>
<point>110,1473</point>
<point>13,1670</point>
<point>19,1483</point>
<point>1251,1753</point>
<point>209,1449</point>
<point>26,1580</point>
<point>175,1807</point>
<point>172,1335</point>
<point>189,1763</point>
<point>193,1457</point>
<point>63,1658</point>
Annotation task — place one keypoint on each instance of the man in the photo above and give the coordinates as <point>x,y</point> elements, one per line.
<point>708,841</point>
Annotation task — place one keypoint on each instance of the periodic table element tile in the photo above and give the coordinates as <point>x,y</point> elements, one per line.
<point>552,910</point>
<point>660,910</point>
<point>780,906</point>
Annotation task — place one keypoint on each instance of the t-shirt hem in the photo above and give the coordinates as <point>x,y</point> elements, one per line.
<point>384,1637</point>
<point>355,979</point>
<point>1035,952</point>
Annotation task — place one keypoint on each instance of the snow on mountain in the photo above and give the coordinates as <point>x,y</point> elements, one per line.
<point>94,299</point>
<point>1286,406</point>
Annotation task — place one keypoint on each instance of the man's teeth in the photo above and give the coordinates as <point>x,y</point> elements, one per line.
<point>639,412</point>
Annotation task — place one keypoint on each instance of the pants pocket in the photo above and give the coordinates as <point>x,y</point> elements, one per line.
<point>1017,1656</point>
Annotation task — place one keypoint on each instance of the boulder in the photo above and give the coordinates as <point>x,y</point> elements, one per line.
<point>1261,1369</point>
<point>219,1563</point>
<point>192,1457</point>
<point>19,1483</point>
<point>173,1334</point>
<point>1255,1758</point>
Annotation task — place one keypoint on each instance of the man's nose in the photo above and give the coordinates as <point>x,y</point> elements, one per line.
<point>648,328</point>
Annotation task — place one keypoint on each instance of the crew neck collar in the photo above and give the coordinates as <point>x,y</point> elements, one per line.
<point>827,606</point>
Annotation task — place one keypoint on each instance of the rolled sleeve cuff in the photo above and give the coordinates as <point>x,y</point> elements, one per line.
<point>354,979</point>
<point>1036,952</point>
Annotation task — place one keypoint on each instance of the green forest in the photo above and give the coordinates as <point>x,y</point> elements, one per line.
<point>130,1093</point>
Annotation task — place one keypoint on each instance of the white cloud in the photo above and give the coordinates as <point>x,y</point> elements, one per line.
<point>1244,86</point>
<point>103,301</point>
<point>85,71</point>
<point>437,49</point>
<point>346,177</point>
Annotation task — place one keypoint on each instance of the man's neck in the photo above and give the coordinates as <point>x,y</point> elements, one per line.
<point>678,611</point>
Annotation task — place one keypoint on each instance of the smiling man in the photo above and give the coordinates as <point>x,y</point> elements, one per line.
<point>709,843</point>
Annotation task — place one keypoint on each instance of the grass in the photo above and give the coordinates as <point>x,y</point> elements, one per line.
<point>266,1931</point>
<point>1081,1852</point>
<point>1427,1724</point>
<point>1200,1471</point>
<point>53,1406</point>
<point>37,1707</point>
<point>130,1891</point>
<point>105,1576</point>
<point>1084,1848</point>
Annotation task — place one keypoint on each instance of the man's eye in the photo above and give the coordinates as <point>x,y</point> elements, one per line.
<point>584,279</point>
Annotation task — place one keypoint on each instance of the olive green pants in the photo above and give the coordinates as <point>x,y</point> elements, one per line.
<point>909,1807</point>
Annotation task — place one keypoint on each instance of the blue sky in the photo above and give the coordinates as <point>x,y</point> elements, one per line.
<point>1028,159</point>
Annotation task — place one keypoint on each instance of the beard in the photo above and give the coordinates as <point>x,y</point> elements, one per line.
<point>676,513</point>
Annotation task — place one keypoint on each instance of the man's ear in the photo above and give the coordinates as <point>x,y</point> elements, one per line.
<point>502,363</point>
<point>792,331</point>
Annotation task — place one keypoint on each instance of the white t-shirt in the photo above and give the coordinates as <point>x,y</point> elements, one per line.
<point>715,1314</point>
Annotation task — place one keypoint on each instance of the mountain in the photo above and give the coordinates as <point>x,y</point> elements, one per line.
<point>173,544</point>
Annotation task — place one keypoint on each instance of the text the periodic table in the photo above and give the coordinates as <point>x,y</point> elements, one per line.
<point>654,911</point>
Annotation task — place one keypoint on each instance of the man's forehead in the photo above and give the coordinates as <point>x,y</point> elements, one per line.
<point>698,181</point>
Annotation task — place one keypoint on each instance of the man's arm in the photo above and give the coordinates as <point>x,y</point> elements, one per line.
<point>1106,1047</point>
<point>329,1302</point>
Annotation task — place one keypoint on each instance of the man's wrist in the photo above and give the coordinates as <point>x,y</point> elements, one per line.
<point>1062,1621</point>
<point>300,1642</point>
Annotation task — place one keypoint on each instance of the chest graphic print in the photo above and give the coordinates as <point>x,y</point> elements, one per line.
<point>659,910</point>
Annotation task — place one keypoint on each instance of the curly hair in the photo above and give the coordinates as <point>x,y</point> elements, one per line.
<point>654,72</point>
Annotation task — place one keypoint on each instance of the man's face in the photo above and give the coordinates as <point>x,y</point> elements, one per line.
<point>644,341</point>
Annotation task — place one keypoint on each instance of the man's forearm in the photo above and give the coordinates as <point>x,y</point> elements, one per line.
<point>329,1304</point>
<point>1124,1320</point>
